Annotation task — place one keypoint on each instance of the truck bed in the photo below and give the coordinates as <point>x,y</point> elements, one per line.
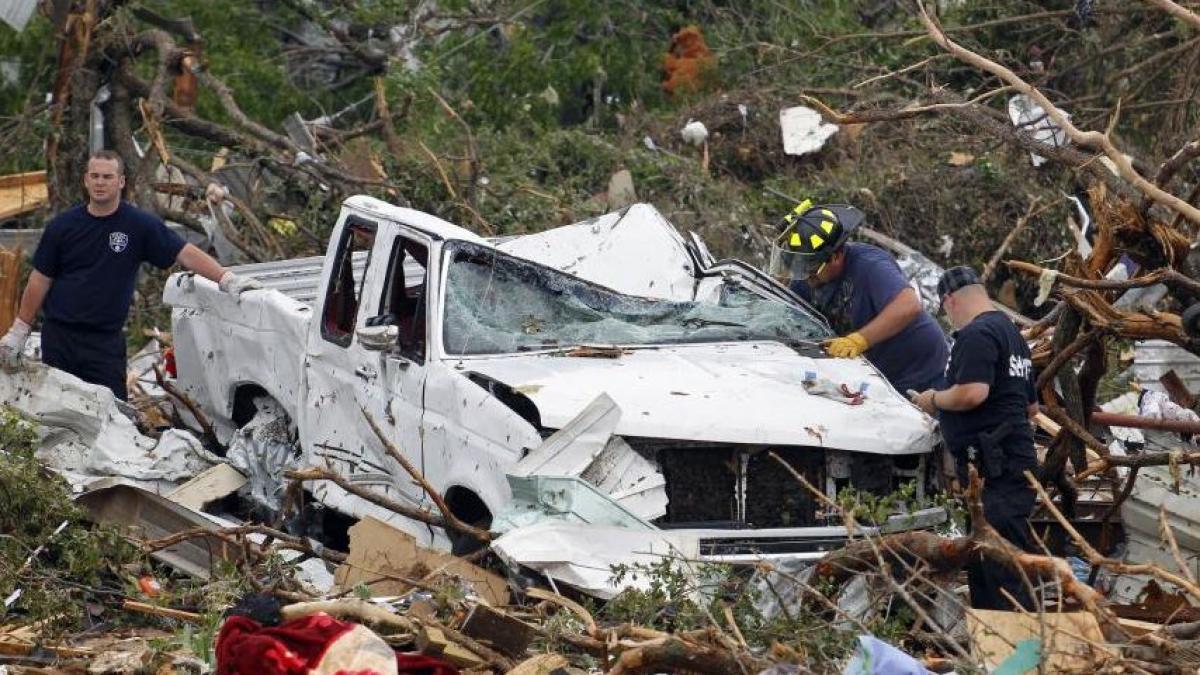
<point>297,278</point>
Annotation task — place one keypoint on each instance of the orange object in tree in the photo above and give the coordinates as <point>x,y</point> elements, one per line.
<point>689,64</point>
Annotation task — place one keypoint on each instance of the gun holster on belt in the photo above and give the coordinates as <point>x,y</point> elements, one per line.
<point>989,453</point>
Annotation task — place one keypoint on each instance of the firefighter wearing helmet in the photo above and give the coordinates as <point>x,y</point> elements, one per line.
<point>861,291</point>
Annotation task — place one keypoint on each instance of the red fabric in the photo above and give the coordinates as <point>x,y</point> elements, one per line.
<point>419,664</point>
<point>245,647</point>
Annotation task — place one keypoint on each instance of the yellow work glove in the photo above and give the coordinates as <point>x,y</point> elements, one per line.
<point>847,347</point>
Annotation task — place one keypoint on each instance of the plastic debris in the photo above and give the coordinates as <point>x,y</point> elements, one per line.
<point>873,656</point>
<point>804,131</point>
<point>694,133</point>
<point>1028,116</point>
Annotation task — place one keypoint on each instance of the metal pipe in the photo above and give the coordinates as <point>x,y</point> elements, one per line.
<point>1138,422</point>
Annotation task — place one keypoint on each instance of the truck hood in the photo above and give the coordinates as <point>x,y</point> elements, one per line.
<point>746,393</point>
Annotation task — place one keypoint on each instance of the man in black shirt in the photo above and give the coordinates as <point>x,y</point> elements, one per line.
<point>985,421</point>
<point>84,271</point>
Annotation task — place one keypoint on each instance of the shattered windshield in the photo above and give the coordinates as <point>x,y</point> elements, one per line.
<point>496,304</point>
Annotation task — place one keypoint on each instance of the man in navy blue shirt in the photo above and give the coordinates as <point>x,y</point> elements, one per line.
<point>84,271</point>
<point>985,421</point>
<point>864,295</point>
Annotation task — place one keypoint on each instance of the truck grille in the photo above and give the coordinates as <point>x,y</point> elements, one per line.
<point>735,486</point>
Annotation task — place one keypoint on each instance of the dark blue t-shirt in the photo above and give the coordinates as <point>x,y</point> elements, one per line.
<point>915,357</point>
<point>990,350</point>
<point>94,263</point>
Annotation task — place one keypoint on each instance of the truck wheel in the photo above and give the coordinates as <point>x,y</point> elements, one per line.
<point>470,509</point>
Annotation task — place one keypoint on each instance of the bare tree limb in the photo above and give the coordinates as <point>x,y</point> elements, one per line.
<point>1087,139</point>
<point>447,514</point>
<point>318,473</point>
<point>1165,275</point>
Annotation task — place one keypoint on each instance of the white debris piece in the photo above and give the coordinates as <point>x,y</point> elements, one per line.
<point>694,133</point>
<point>86,435</point>
<point>804,131</point>
<point>1028,116</point>
<point>263,450</point>
<point>17,13</point>
<point>583,556</point>
<point>586,447</point>
<point>655,261</point>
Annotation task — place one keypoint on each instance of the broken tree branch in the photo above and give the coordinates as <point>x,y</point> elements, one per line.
<point>451,520</point>
<point>1165,275</point>
<point>671,654</point>
<point>990,268</point>
<point>1177,161</point>
<point>231,533</point>
<point>1087,139</point>
<point>1063,355</point>
<point>318,473</point>
<point>1138,461</point>
<point>907,112</point>
<point>206,428</point>
<point>1060,416</point>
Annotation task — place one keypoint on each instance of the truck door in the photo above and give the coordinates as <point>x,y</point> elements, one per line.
<point>345,377</point>
<point>395,396</point>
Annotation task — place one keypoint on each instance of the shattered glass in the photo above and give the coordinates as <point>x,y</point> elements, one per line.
<point>497,303</point>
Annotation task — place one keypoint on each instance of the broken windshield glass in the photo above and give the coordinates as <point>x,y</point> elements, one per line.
<point>497,304</point>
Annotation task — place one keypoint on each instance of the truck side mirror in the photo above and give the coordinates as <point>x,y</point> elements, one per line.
<point>378,338</point>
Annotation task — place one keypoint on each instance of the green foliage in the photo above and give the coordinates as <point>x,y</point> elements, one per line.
<point>572,48</point>
<point>245,52</point>
<point>31,54</point>
<point>33,504</point>
<point>871,509</point>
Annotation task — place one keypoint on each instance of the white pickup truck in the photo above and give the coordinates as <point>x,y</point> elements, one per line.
<point>470,353</point>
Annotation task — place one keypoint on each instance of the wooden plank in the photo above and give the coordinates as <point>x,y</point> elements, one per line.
<point>432,641</point>
<point>1071,642</point>
<point>542,664</point>
<point>509,635</point>
<point>19,179</point>
<point>378,550</point>
<point>1177,390</point>
<point>10,288</point>
<point>1137,628</point>
<point>22,193</point>
<point>1046,424</point>
<point>210,485</point>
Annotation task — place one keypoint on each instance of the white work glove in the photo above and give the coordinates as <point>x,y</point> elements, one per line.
<point>12,345</point>
<point>235,285</point>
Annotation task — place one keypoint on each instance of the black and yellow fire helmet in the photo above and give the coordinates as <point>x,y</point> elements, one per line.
<point>811,235</point>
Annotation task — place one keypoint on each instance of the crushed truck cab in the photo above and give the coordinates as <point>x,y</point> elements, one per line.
<point>472,355</point>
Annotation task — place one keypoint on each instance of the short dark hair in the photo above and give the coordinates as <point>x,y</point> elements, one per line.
<point>112,155</point>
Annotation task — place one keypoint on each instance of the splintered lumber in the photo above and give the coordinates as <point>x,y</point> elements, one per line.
<point>387,561</point>
<point>165,612</point>
<point>542,664</point>
<point>210,485</point>
<point>431,641</point>
<point>509,635</point>
<point>10,272</point>
<point>21,193</point>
